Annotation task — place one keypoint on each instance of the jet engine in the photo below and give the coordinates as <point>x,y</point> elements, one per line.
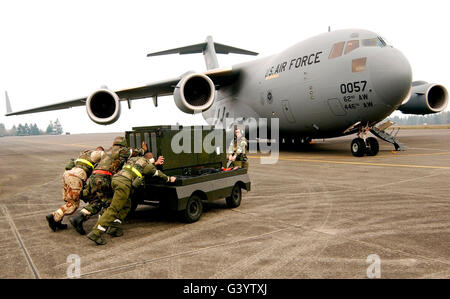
<point>194,93</point>
<point>103,106</point>
<point>426,98</point>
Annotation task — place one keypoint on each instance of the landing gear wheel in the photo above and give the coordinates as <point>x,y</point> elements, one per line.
<point>194,209</point>
<point>372,146</point>
<point>234,200</point>
<point>358,147</point>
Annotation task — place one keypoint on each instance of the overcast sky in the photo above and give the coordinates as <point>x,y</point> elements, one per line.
<point>52,51</point>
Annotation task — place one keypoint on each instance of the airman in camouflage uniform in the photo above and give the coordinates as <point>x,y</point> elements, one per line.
<point>238,150</point>
<point>131,176</point>
<point>73,181</point>
<point>98,192</point>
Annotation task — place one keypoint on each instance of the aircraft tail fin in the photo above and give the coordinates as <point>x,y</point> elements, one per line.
<point>209,49</point>
<point>8,103</point>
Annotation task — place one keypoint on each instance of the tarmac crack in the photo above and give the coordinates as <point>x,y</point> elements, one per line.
<point>20,241</point>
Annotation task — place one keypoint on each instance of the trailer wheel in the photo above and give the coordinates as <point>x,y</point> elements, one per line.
<point>194,209</point>
<point>234,200</point>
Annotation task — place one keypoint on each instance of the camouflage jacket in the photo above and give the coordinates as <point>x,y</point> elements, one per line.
<point>120,154</point>
<point>238,147</point>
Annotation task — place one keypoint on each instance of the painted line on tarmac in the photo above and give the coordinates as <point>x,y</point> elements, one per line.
<point>363,163</point>
<point>19,239</point>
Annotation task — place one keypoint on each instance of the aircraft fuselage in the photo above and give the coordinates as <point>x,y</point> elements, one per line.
<point>320,87</point>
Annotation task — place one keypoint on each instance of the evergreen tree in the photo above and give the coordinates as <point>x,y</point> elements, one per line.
<point>58,127</point>
<point>35,130</point>
<point>13,131</point>
<point>3,131</point>
<point>27,130</point>
<point>50,128</point>
<point>20,130</point>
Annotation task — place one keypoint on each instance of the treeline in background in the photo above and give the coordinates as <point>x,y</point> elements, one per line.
<point>54,128</point>
<point>442,118</point>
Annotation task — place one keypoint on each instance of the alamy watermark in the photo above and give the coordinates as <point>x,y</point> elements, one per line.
<point>193,141</point>
<point>374,269</point>
<point>74,268</point>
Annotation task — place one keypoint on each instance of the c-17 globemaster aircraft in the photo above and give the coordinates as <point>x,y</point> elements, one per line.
<point>334,84</point>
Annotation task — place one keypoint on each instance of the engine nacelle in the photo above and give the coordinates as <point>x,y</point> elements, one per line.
<point>194,93</point>
<point>425,98</point>
<point>103,107</point>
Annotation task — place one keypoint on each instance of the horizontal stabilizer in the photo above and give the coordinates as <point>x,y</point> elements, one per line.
<point>200,48</point>
<point>209,50</point>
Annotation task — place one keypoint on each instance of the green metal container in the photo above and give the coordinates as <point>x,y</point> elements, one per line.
<point>187,150</point>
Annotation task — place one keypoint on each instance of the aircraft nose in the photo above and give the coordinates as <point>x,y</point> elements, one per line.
<point>391,76</point>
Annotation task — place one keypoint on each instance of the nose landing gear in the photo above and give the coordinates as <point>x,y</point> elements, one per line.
<point>363,145</point>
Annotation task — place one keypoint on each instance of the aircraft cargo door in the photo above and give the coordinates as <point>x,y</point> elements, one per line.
<point>287,111</point>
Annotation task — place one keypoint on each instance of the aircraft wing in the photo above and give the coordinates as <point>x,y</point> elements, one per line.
<point>57,106</point>
<point>220,77</point>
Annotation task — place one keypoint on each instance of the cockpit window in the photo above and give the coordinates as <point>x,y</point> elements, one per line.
<point>373,42</point>
<point>351,45</point>
<point>337,49</point>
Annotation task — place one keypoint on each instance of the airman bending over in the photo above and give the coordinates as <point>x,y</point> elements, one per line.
<point>73,180</point>
<point>130,177</point>
<point>98,192</point>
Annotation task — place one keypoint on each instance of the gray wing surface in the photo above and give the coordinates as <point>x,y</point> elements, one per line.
<point>220,77</point>
<point>57,106</point>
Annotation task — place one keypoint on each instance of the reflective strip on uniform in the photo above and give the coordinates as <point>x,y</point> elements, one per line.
<point>118,221</point>
<point>136,172</point>
<point>99,227</point>
<point>156,173</point>
<point>85,162</point>
<point>131,153</point>
<point>60,213</point>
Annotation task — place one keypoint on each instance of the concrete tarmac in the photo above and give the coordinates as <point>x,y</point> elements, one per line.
<point>316,213</point>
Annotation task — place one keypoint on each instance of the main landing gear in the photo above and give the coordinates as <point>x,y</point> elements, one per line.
<point>363,145</point>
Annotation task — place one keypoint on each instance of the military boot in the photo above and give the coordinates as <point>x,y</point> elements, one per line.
<point>51,222</point>
<point>77,222</point>
<point>114,231</point>
<point>96,236</point>
<point>61,225</point>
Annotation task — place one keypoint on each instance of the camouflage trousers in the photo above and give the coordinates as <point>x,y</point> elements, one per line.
<point>99,193</point>
<point>120,205</point>
<point>73,181</point>
<point>95,206</point>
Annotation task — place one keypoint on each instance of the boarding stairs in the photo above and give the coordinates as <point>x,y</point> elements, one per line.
<point>391,137</point>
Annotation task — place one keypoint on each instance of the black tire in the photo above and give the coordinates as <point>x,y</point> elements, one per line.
<point>234,200</point>
<point>358,147</point>
<point>194,209</point>
<point>372,146</point>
